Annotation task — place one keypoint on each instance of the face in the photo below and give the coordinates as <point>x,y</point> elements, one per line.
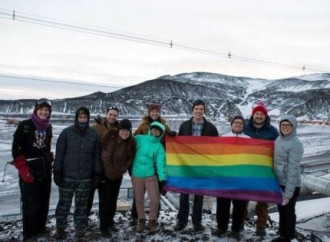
<point>237,126</point>
<point>154,114</point>
<point>155,132</point>
<point>82,118</point>
<point>124,134</point>
<point>259,118</point>
<point>43,112</point>
<point>112,116</point>
<point>286,128</point>
<point>198,112</point>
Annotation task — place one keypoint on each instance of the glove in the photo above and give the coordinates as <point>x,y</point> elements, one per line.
<point>96,181</point>
<point>98,119</point>
<point>162,191</point>
<point>58,179</point>
<point>171,133</point>
<point>51,157</point>
<point>23,169</point>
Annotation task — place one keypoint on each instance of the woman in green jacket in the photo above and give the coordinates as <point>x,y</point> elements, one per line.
<point>148,166</point>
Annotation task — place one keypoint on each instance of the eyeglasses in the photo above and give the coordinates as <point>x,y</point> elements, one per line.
<point>286,125</point>
<point>113,108</point>
<point>44,101</point>
<point>240,123</point>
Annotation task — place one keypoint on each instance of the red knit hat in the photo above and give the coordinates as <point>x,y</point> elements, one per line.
<point>153,106</point>
<point>260,107</point>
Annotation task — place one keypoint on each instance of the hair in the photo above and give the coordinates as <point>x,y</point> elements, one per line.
<point>197,103</point>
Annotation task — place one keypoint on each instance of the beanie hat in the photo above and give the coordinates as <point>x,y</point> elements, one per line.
<point>82,110</point>
<point>260,107</point>
<point>43,102</point>
<point>237,117</point>
<point>153,106</point>
<point>125,124</point>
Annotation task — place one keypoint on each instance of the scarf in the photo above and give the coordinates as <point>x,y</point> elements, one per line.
<point>41,124</point>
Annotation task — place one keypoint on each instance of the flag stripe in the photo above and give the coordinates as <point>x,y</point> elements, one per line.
<point>225,183</point>
<point>218,160</point>
<point>187,140</point>
<point>220,171</point>
<point>216,149</point>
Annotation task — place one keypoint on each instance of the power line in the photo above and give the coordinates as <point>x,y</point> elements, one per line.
<point>146,40</point>
<point>61,82</point>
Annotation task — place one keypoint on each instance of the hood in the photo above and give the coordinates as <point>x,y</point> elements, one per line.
<point>161,126</point>
<point>293,121</point>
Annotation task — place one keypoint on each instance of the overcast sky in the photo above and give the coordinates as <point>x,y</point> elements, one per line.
<point>295,33</point>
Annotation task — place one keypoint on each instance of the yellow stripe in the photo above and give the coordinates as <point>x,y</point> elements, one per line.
<point>218,160</point>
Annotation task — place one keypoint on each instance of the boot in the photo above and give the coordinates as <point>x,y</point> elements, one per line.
<point>152,226</point>
<point>80,233</point>
<point>141,225</point>
<point>60,234</point>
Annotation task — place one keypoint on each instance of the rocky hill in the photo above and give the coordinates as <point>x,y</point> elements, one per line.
<point>306,97</point>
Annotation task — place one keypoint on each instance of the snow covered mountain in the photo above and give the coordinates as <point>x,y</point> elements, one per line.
<point>307,97</point>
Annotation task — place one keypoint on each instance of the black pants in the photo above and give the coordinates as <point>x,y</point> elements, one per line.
<point>108,195</point>
<point>223,213</point>
<point>288,216</point>
<point>35,205</point>
<point>184,209</point>
<point>90,201</point>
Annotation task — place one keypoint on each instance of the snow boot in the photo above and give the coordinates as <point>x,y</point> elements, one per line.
<point>141,225</point>
<point>152,226</point>
<point>60,234</point>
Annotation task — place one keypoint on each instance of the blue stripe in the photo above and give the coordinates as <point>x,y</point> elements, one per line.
<point>225,183</point>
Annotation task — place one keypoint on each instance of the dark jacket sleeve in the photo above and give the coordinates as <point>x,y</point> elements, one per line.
<point>18,137</point>
<point>97,157</point>
<point>60,151</point>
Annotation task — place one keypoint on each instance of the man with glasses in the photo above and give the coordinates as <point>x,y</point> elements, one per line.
<point>223,204</point>
<point>259,127</point>
<point>102,125</point>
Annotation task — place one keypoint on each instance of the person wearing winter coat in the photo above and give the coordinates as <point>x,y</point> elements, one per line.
<point>149,168</point>
<point>154,111</point>
<point>118,150</point>
<point>196,126</point>
<point>31,151</point>
<point>77,163</point>
<point>223,204</point>
<point>259,127</point>
<point>287,157</point>
<point>102,126</point>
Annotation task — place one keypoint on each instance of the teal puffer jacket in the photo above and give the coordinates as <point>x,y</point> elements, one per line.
<point>150,156</point>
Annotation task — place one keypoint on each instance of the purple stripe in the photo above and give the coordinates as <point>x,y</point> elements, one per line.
<point>249,195</point>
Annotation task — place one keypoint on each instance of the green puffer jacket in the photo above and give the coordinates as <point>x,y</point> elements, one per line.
<point>150,155</point>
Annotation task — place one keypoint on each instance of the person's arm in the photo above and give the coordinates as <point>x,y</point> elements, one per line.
<point>60,151</point>
<point>295,156</point>
<point>161,163</point>
<point>17,140</point>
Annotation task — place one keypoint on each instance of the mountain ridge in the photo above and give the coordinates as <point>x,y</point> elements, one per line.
<point>306,97</point>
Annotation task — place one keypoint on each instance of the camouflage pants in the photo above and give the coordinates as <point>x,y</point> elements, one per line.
<point>80,189</point>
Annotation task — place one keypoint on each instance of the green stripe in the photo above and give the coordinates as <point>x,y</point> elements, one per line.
<point>220,171</point>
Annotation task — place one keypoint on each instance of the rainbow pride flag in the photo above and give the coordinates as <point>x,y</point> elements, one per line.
<point>230,167</point>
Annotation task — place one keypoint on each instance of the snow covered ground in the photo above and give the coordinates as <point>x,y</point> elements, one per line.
<point>313,216</point>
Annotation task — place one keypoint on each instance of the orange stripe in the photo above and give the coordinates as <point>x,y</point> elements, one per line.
<point>217,140</point>
<point>217,149</point>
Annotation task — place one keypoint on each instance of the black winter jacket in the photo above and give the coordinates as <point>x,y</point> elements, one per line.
<point>208,128</point>
<point>78,155</point>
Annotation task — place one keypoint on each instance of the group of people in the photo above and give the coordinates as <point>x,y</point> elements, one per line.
<point>89,158</point>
